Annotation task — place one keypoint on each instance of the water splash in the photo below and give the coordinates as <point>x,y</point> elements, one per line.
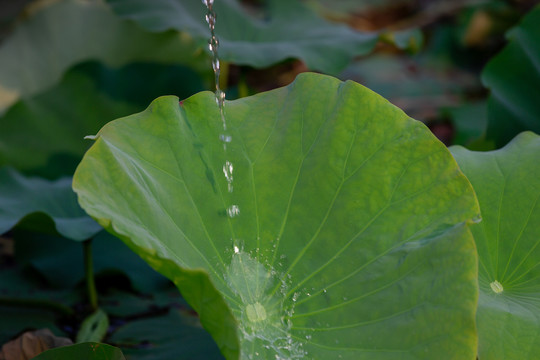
<point>265,317</point>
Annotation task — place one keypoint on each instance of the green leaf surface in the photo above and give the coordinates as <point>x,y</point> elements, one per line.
<point>84,351</point>
<point>513,76</point>
<point>21,196</point>
<point>352,237</point>
<point>287,29</point>
<point>507,183</point>
<point>176,335</point>
<point>56,35</point>
<point>43,134</point>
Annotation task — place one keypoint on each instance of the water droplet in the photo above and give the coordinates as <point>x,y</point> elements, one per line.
<point>496,287</point>
<point>236,249</point>
<point>228,172</point>
<point>233,211</point>
<point>477,219</point>
<point>220,94</point>
<point>308,337</point>
<point>215,65</point>
<point>225,138</point>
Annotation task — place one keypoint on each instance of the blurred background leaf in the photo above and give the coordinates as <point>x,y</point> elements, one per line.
<point>52,255</point>
<point>43,134</point>
<point>513,76</point>
<point>54,35</point>
<point>21,197</point>
<point>257,36</point>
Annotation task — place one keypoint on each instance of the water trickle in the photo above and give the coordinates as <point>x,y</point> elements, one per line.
<point>213,46</point>
<point>264,316</point>
<point>225,137</point>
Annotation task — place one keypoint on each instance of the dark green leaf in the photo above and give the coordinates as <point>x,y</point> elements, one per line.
<point>52,255</point>
<point>177,335</point>
<point>44,134</point>
<point>25,304</point>
<point>513,76</point>
<point>84,351</point>
<point>469,120</point>
<point>21,196</point>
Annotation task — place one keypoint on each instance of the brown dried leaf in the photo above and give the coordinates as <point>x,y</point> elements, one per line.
<point>32,343</point>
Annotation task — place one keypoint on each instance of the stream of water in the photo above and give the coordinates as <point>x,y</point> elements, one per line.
<point>225,137</point>
<point>262,320</point>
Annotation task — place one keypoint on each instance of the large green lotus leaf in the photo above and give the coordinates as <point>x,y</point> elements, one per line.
<point>287,30</point>
<point>84,351</point>
<point>21,196</point>
<point>58,34</point>
<point>351,239</point>
<point>513,76</point>
<point>43,135</point>
<point>507,183</point>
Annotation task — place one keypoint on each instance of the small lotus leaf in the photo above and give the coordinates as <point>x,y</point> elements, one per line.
<point>507,183</point>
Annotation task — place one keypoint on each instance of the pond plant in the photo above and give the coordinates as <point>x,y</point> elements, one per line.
<point>331,225</point>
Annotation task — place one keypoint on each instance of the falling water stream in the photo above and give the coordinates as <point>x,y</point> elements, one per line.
<point>262,315</point>
<point>225,137</point>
